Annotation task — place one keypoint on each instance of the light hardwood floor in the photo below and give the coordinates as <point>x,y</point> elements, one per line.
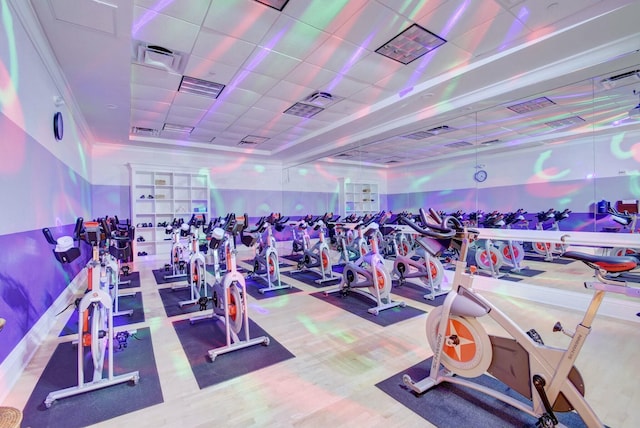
<point>339,358</point>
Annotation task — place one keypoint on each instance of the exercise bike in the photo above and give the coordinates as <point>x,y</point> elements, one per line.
<point>544,375</point>
<point>95,312</point>
<point>368,277</point>
<point>426,267</point>
<point>317,259</point>
<point>266,264</point>
<point>627,220</point>
<point>196,265</point>
<point>177,267</point>
<point>229,295</point>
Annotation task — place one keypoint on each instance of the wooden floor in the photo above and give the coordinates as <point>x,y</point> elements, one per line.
<point>339,358</point>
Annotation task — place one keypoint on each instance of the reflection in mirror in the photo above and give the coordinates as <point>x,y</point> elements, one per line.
<point>564,148</point>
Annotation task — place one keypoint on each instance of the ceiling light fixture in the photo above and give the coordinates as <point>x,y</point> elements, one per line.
<point>177,128</point>
<point>531,105</point>
<point>411,44</point>
<point>303,110</point>
<point>565,122</point>
<point>205,88</point>
<point>276,4</point>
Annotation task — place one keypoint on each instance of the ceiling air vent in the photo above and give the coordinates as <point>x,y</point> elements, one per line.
<point>439,130</point>
<point>321,99</point>
<point>420,135</point>
<point>137,130</point>
<point>567,121</point>
<point>489,142</point>
<point>159,57</point>
<point>632,73</point>
<point>252,140</point>
<point>458,144</point>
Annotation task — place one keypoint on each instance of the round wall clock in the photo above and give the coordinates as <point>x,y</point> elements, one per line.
<point>58,126</point>
<point>480,175</point>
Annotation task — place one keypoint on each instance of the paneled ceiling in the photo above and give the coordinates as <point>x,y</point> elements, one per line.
<point>124,63</point>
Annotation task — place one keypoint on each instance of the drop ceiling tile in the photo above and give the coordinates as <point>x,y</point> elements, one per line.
<point>163,30</point>
<point>372,26</point>
<point>344,86</point>
<point>186,10</point>
<point>371,95</point>
<point>293,38</point>
<point>310,75</point>
<point>246,20</point>
<point>216,71</point>
<point>177,119</point>
<point>145,115</point>
<point>239,96</point>
<point>270,63</point>
<point>250,81</point>
<point>100,16</point>
<point>184,99</point>
<point>325,16</point>
<point>414,9</point>
<point>272,104</point>
<point>222,48</point>
<point>151,93</point>
<point>337,55</point>
<point>186,111</point>
<point>456,17</point>
<point>372,68</point>
<point>150,76</point>
<point>289,91</point>
<point>222,106</point>
<point>347,106</point>
<point>150,105</point>
<point>491,37</point>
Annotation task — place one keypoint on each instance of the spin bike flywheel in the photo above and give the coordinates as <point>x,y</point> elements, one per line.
<point>437,272</point>
<point>382,282</point>
<point>466,347</point>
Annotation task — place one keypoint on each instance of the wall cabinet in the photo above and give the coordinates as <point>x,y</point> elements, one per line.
<point>358,198</point>
<point>157,198</point>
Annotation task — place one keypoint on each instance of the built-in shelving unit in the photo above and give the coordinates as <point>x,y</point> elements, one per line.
<point>158,196</point>
<point>358,198</point>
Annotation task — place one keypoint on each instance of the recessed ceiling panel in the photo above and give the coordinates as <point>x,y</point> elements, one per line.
<point>162,30</point>
<point>217,47</point>
<point>94,15</point>
<point>190,11</point>
<point>244,20</point>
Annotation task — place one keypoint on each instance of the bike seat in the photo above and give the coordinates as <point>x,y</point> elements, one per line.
<point>611,264</point>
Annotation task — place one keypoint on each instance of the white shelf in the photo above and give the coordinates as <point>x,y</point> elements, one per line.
<point>358,198</point>
<point>174,194</point>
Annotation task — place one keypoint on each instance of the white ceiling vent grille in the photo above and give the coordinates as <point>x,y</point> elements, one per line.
<point>439,130</point>
<point>321,99</point>
<point>158,57</point>
<point>137,130</point>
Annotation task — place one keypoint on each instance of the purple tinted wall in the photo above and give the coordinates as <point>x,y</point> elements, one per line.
<point>31,280</point>
<point>111,201</point>
<point>37,189</point>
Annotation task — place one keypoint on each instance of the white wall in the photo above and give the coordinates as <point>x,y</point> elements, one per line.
<point>27,92</point>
